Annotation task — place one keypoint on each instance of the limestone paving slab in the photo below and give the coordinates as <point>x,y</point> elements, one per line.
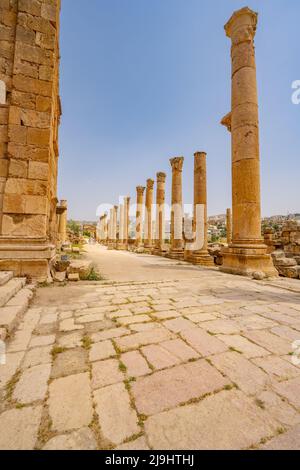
<point>83,439</point>
<point>32,385</point>
<point>290,390</point>
<point>135,364</point>
<point>72,361</point>
<point>144,338</point>
<point>171,387</point>
<point>102,350</point>
<point>243,345</point>
<point>118,420</point>
<point>290,440</point>
<point>19,428</point>
<point>37,356</point>
<point>277,367</point>
<point>180,349</point>
<point>203,342</point>
<point>269,341</point>
<point>224,421</point>
<point>159,357</point>
<point>106,372</point>
<point>70,404</point>
<point>241,371</point>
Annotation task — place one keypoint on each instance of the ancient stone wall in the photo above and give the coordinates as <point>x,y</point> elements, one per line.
<point>29,66</point>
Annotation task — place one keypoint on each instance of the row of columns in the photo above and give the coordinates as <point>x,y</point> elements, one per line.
<point>177,242</point>
<point>246,253</point>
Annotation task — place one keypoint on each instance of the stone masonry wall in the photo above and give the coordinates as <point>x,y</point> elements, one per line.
<point>29,66</point>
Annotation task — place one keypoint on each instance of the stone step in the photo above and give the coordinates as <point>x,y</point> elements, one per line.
<point>5,276</point>
<point>10,289</point>
<point>12,313</point>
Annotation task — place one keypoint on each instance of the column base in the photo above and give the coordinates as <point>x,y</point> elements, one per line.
<point>176,254</point>
<point>30,258</point>
<point>111,246</point>
<point>201,259</point>
<point>245,260</point>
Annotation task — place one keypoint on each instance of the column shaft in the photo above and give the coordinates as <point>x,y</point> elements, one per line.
<point>148,214</point>
<point>176,251</point>
<point>139,215</point>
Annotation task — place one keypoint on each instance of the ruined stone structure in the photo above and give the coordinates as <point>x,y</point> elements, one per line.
<point>247,253</point>
<point>148,215</point>
<point>177,251</point>
<point>139,215</point>
<point>160,214</point>
<point>200,256</point>
<point>29,118</point>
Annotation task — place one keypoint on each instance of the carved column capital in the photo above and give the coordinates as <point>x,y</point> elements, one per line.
<point>242,25</point>
<point>161,177</point>
<point>150,184</point>
<point>140,190</point>
<point>177,163</point>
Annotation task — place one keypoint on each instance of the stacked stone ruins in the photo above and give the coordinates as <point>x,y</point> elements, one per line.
<point>29,118</point>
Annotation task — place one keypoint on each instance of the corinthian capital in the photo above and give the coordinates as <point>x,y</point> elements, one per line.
<point>177,163</point>
<point>150,184</point>
<point>242,25</point>
<point>140,190</point>
<point>161,177</point>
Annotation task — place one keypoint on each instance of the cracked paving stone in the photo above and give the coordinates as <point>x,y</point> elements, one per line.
<point>102,350</point>
<point>32,385</point>
<point>19,428</point>
<point>135,364</point>
<point>277,367</point>
<point>290,440</point>
<point>37,356</point>
<point>171,387</point>
<point>70,362</point>
<point>70,404</point>
<point>106,373</point>
<point>117,419</point>
<point>225,421</point>
<point>83,439</point>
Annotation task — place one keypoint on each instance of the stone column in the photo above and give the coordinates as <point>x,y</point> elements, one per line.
<point>148,215</point>
<point>115,226</point>
<point>110,244</point>
<point>121,245</point>
<point>200,256</point>
<point>160,214</point>
<point>62,226</point>
<point>177,251</point>
<point>126,221</point>
<point>229,226</point>
<point>139,215</point>
<point>247,253</point>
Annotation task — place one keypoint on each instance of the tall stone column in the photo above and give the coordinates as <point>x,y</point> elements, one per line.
<point>160,214</point>
<point>115,226</point>
<point>229,226</point>
<point>247,252</point>
<point>148,215</point>
<point>177,251</point>
<point>62,226</point>
<point>200,256</point>
<point>110,245</point>
<point>121,245</point>
<point>126,221</point>
<point>139,215</point>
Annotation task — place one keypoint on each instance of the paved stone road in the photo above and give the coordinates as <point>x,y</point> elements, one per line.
<point>200,363</point>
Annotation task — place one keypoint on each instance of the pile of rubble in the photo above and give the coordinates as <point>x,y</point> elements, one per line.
<point>215,251</point>
<point>71,270</point>
<point>286,257</point>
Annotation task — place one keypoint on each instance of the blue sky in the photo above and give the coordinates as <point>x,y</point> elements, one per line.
<point>145,80</point>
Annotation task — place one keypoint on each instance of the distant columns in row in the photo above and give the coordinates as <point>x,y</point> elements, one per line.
<point>229,226</point>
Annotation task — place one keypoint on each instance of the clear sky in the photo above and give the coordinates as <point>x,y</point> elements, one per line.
<point>145,80</point>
